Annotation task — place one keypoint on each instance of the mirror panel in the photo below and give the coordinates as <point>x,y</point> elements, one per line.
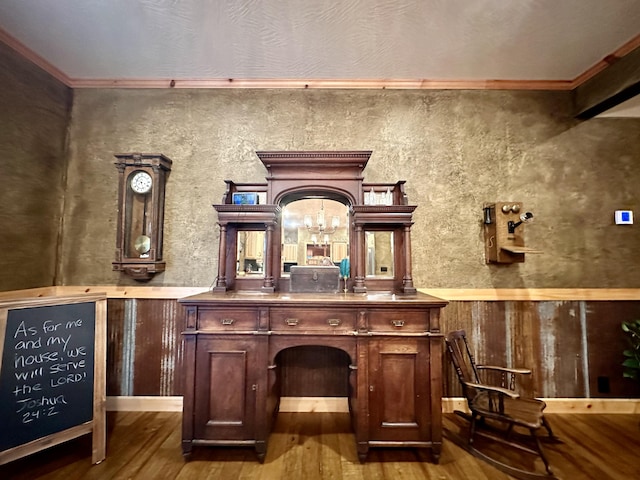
<point>250,253</point>
<point>379,254</point>
<point>315,231</point>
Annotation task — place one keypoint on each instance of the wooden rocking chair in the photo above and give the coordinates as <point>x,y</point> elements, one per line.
<point>497,408</point>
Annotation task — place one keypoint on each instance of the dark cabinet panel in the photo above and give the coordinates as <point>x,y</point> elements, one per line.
<point>225,408</point>
<point>399,397</point>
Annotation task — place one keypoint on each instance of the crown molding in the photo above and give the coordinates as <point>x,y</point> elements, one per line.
<point>606,62</point>
<point>34,58</point>
<point>348,84</point>
<point>351,84</point>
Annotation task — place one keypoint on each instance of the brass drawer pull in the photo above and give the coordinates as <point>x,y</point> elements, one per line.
<point>292,322</point>
<point>227,321</point>
<point>334,322</point>
<point>397,323</point>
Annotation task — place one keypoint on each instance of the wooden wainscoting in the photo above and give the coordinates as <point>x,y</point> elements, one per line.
<point>570,338</point>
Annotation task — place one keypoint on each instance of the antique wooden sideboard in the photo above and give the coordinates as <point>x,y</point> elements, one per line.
<point>231,351</point>
<point>235,335</point>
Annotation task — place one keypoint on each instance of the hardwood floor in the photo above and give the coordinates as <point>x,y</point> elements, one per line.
<point>311,446</point>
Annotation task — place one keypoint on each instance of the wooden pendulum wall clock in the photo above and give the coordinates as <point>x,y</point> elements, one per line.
<point>140,214</point>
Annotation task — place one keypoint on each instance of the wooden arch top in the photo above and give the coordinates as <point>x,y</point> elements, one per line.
<point>293,172</point>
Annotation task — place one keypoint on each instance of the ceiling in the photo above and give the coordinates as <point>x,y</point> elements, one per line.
<point>82,41</point>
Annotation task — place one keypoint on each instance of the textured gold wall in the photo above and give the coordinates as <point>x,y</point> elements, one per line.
<point>456,149</point>
<point>34,114</point>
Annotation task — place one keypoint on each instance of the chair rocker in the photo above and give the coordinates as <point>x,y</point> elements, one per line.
<point>498,412</point>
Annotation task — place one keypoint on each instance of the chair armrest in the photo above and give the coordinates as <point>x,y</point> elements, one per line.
<point>520,371</point>
<point>490,388</point>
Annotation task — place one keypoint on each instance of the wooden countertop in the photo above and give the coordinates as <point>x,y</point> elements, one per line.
<point>370,299</point>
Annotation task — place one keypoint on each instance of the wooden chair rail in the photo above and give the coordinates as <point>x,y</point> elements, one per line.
<point>451,294</point>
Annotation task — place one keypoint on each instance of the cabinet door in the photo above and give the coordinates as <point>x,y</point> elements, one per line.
<point>399,396</point>
<point>226,384</point>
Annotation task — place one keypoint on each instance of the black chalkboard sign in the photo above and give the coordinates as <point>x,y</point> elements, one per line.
<point>46,383</point>
<point>48,355</point>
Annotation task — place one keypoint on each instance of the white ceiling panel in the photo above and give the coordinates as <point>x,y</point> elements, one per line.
<point>322,39</point>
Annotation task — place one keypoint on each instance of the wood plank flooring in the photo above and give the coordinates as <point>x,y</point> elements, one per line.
<point>311,446</point>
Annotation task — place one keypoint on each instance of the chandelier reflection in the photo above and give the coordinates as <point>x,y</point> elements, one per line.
<point>321,230</point>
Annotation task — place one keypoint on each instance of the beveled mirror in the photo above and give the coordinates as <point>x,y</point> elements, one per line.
<point>379,254</point>
<point>315,231</point>
<point>250,253</point>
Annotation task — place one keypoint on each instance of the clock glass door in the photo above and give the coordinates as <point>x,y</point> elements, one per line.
<point>138,224</point>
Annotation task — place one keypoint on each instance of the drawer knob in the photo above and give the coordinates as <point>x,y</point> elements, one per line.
<point>397,323</point>
<point>292,322</point>
<point>227,321</point>
<point>334,322</point>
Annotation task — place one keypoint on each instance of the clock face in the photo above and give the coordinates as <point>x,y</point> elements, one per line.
<point>141,182</point>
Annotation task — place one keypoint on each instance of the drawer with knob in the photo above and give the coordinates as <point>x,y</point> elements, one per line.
<point>401,321</point>
<point>297,320</point>
<point>230,319</point>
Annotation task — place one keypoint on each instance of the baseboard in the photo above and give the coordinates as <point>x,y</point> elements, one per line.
<point>565,405</point>
<point>144,404</point>
<point>340,404</point>
<point>314,404</point>
<point>593,405</point>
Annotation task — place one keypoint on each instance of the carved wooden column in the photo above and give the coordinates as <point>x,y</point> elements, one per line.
<point>359,285</point>
<point>268,285</point>
<point>221,280</point>
<point>407,280</point>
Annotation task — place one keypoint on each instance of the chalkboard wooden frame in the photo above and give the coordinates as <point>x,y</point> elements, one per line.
<point>97,411</point>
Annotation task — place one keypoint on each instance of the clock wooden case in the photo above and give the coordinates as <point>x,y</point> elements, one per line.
<point>142,178</point>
